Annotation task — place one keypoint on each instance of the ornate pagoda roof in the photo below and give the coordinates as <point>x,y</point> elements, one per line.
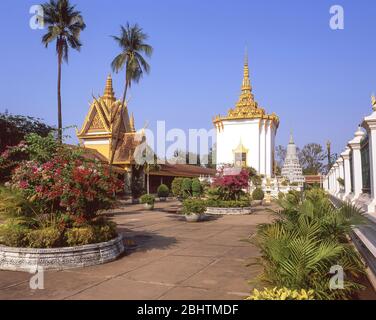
<point>246,107</point>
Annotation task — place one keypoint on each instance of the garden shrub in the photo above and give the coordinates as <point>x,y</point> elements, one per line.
<point>308,239</point>
<point>163,191</point>
<point>228,204</point>
<point>258,194</point>
<point>186,187</point>
<point>196,188</point>
<point>13,235</point>
<point>147,199</point>
<point>231,187</point>
<point>176,187</point>
<point>80,236</point>
<point>55,190</point>
<point>194,206</point>
<point>282,294</point>
<point>49,237</point>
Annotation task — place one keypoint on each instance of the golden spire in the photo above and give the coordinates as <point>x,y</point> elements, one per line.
<point>109,91</point>
<point>373,100</point>
<point>131,123</point>
<point>246,85</point>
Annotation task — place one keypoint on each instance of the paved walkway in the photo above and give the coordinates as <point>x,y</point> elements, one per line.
<point>171,259</point>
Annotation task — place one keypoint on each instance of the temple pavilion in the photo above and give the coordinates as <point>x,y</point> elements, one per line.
<point>246,135</point>
<point>98,134</point>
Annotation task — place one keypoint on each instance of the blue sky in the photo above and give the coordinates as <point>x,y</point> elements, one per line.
<point>318,81</point>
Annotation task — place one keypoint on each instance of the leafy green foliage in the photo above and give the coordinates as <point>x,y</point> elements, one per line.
<point>282,294</point>
<point>163,191</point>
<point>14,128</point>
<point>147,199</point>
<point>309,238</point>
<point>197,188</point>
<point>228,204</point>
<point>258,194</point>
<point>194,206</point>
<point>186,188</point>
<point>176,187</point>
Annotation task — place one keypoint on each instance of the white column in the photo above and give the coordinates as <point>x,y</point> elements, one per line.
<point>346,164</point>
<point>335,181</point>
<point>341,175</point>
<point>370,125</point>
<point>263,147</point>
<point>354,144</point>
<point>268,167</point>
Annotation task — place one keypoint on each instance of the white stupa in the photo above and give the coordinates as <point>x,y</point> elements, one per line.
<point>292,169</point>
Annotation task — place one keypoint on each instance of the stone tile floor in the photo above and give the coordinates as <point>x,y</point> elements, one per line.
<point>170,259</point>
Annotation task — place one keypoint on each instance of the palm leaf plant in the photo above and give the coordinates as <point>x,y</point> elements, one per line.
<point>309,237</point>
<point>131,58</point>
<point>65,25</point>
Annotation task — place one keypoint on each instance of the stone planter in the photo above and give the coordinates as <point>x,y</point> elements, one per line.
<point>135,201</point>
<point>27,259</point>
<point>162,199</point>
<point>229,211</point>
<point>148,206</point>
<point>192,217</point>
<point>256,202</point>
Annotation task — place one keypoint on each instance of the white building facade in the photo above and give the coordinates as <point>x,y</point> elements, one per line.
<point>246,136</point>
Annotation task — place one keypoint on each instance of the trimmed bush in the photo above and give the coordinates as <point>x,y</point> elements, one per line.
<point>176,187</point>
<point>13,235</point>
<point>147,199</point>
<point>163,191</point>
<point>258,194</point>
<point>228,204</point>
<point>186,187</point>
<point>50,237</point>
<point>194,206</point>
<point>196,188</point>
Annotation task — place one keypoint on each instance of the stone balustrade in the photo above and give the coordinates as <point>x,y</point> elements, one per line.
<point>353,176</point>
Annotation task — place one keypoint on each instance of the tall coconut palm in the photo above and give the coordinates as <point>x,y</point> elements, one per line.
<point>132,44</point>
<point>65,24</point>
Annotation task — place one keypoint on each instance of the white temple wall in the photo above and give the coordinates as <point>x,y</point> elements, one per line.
<point>247,132</point>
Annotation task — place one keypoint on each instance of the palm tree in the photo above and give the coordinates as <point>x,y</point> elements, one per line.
<point>65,24</point>
<point>132,43</point>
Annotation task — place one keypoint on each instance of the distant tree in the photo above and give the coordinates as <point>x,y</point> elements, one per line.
<point>14,128</point>
<point>209,159</point>
<point>312,158</point>
<point>65,24</point>
<point>280,152</point>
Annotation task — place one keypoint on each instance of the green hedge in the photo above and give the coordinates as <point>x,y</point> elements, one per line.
<point>228,204</point>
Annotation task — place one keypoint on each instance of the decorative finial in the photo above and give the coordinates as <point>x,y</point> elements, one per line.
<point>291,138</point>
<point>373,100</point>
<point>109,91</point>
<point>246,85</point>
<point>131,123</point>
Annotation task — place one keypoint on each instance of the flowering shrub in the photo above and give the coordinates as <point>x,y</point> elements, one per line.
<point>75,186</point>
<point>231,187</point>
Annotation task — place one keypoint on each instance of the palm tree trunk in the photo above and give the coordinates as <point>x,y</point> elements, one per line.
<point>114,147</point>
<point>59,112</point>
<point>148,183</point>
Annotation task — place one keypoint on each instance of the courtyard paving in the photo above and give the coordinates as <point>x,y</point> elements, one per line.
<point>166,258</point>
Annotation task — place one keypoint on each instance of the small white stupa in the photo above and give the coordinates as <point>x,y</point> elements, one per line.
<point>292,169</point>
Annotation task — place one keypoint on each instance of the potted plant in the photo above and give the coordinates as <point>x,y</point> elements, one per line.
<point>148,201</point>
<point>136,187</point>
<point>163,192</point>
<point>257,196</point>
<point>194,210</point>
